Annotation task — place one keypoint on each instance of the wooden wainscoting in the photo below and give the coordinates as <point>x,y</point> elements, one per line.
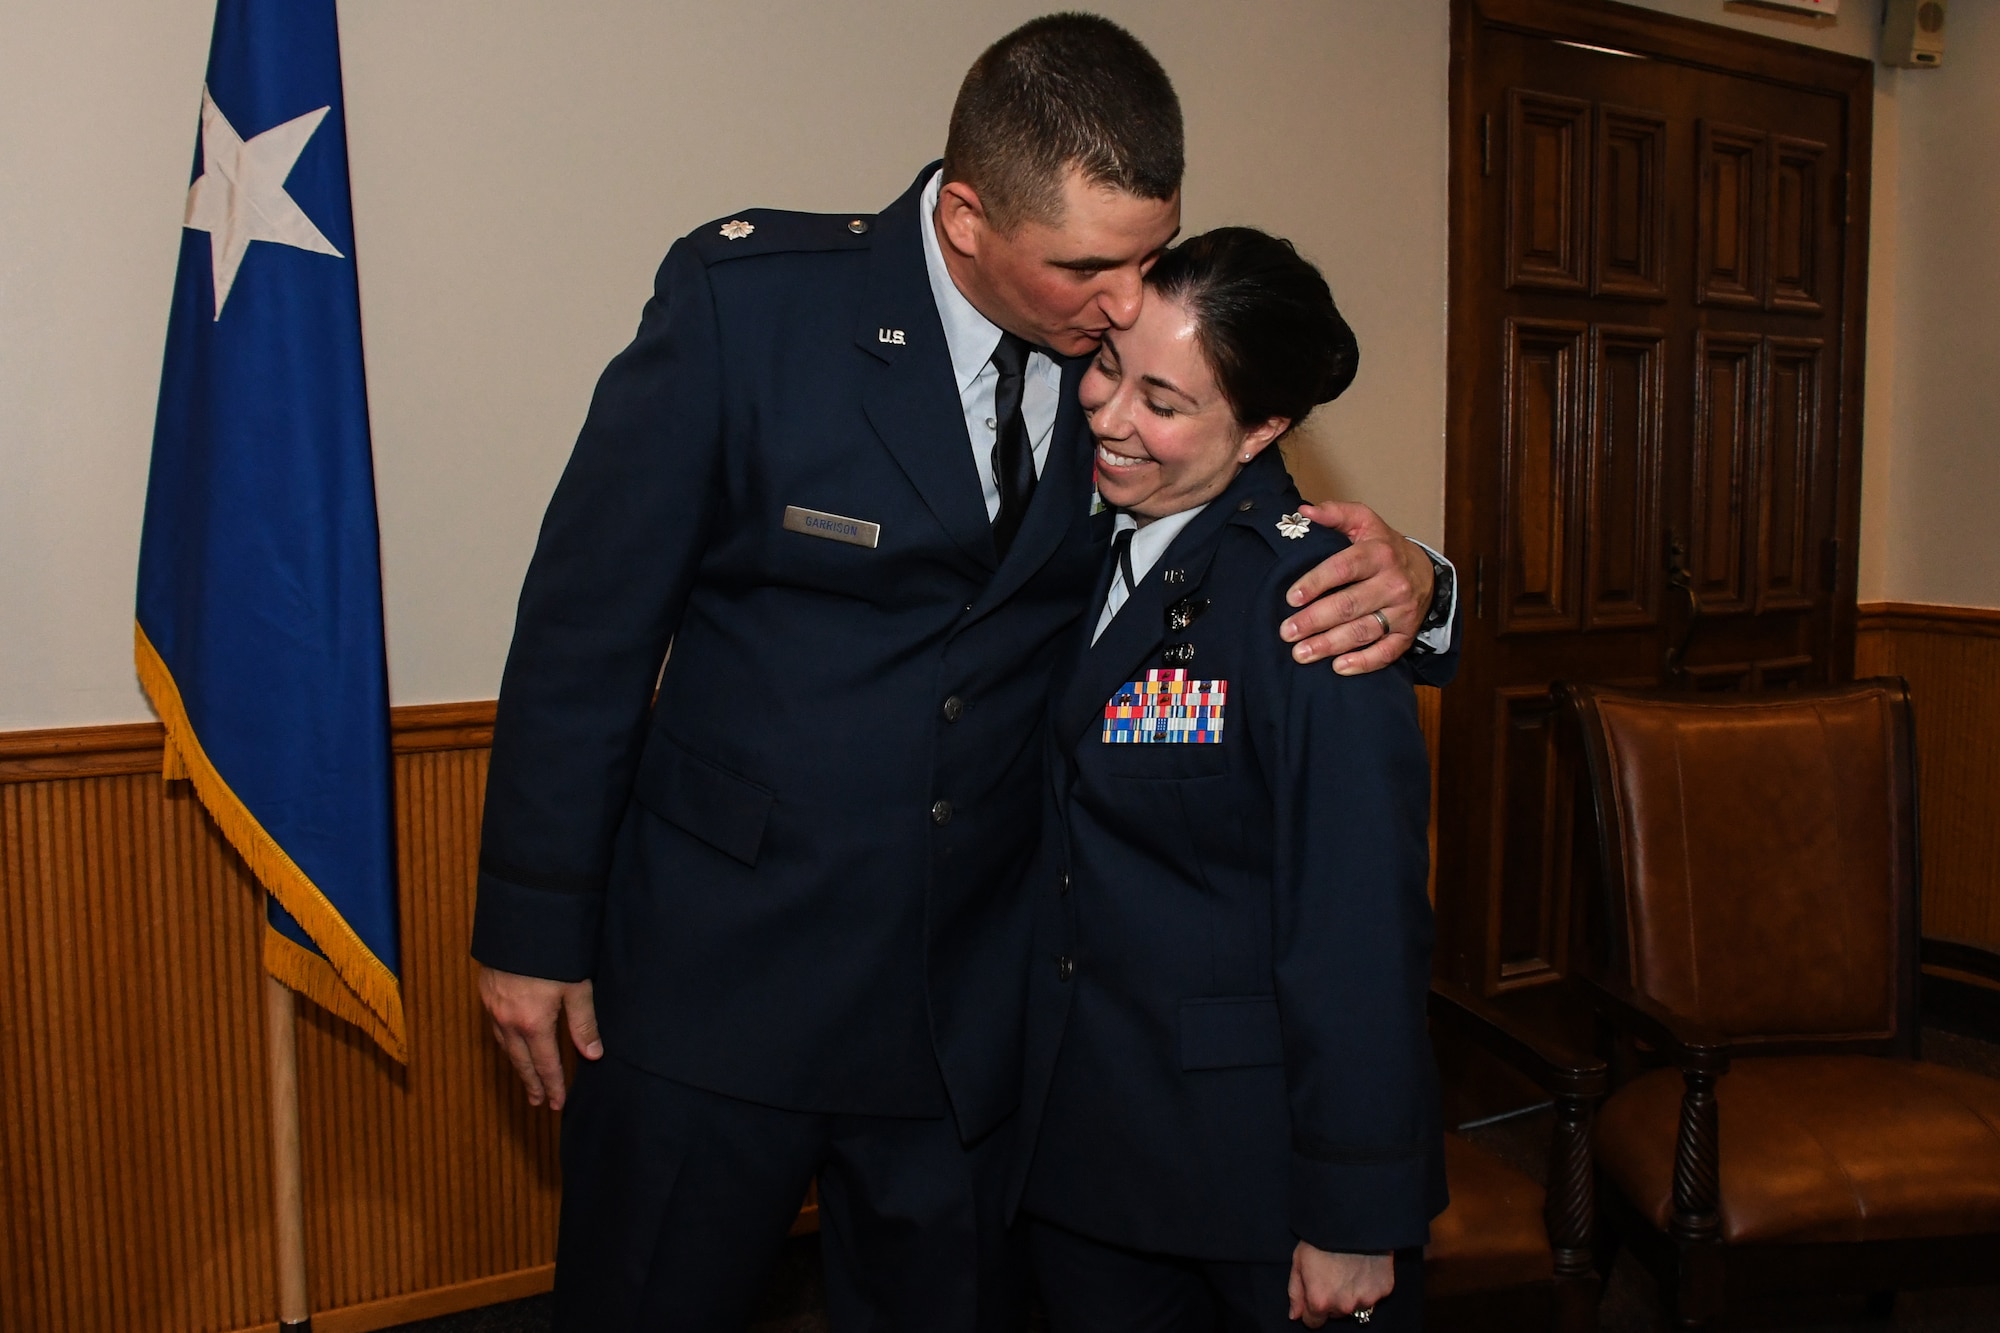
<point>1951,657</point>
<point>135,1186</point>
<point>1430,703</point>
<point>134,1139</point>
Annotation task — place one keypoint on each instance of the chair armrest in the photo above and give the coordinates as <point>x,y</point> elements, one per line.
<point>1559,1070</point>
<point>1577,1083</point>
<point>1691,1045</point>
<point>1960,987</point>
<point>1961,956</point>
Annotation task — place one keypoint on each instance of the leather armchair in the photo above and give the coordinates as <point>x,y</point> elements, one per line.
<point>1509,1253</point>
<point>1757,858</point>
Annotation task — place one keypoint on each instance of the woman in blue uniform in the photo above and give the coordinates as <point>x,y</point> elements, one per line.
<point>1231,1113</point>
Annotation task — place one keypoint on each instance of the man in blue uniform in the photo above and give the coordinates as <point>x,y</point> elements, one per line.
<point>841,470</point>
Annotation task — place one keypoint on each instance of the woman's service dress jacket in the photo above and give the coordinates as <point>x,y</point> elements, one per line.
<point>1227,1044</point>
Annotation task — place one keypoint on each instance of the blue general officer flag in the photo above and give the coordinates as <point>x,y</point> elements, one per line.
<point>259,636</point>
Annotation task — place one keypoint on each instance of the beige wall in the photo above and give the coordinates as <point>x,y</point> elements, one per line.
<point>1942,492</point>
<point>520,165</point>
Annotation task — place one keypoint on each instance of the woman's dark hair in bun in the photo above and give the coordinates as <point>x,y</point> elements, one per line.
<point>1265,319</point>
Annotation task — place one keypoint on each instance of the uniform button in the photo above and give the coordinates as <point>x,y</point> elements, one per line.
<point>1065,968</point>
<point>991,424</point>
<point>858,226</point>
<point>941,812</point>
<point>1063,885</point>
<point>1246,506</point>
<point>954,708</point>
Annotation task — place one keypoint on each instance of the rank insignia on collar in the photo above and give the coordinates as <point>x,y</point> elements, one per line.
<point>736,229</point>
<point>1294,525</point>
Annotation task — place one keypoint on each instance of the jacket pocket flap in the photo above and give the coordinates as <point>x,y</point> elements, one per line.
<point>1231,1033</point>
<point>712,804</point>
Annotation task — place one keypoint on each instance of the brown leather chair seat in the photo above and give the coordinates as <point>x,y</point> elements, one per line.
<point>1492,1236</point>
<point>1821,1148</point>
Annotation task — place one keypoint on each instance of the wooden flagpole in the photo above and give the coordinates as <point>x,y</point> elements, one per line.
<point>287,1166</point>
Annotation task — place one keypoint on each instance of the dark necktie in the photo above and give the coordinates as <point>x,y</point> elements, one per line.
<point>1121,571</point>
<point>1013,459</point>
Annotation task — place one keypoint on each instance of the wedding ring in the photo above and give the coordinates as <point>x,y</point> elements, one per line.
<point>1383,621</point>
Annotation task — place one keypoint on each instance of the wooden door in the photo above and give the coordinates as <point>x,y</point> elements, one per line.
<point>1658,248</point>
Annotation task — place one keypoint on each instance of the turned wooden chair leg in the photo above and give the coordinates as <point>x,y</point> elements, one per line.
<point>1571,1214</point>
<point>1696,1225</point>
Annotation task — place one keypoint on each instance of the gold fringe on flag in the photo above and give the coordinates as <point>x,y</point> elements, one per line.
<point>172,769</point>
<point>313,977</point>
<point>350,981</point>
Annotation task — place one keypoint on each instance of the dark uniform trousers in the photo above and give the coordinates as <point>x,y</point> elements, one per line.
<point>676,1202</point>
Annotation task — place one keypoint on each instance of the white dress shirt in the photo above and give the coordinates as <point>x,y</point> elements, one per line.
<point>971,337</point>
<point>1439,640</point>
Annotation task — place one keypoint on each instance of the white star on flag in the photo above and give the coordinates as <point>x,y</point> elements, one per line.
<point>240,195</point>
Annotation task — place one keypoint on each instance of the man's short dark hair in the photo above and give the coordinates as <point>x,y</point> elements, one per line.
<point>1062,91</point>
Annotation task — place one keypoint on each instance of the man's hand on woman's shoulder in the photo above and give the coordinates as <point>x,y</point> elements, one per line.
<point>1338,599</point>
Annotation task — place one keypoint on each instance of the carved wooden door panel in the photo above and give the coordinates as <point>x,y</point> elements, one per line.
<point>1652,463</point>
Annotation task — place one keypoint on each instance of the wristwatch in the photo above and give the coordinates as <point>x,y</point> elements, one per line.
<point>1439,614</point>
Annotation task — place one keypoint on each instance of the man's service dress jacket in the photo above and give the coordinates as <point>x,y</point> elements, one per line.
<point>795,876</point>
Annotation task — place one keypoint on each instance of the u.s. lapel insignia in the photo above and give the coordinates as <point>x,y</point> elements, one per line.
<point>736,229</point>
<point>1294,525</point>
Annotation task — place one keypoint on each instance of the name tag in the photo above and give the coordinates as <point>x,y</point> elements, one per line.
<point>1166,708</point>
<point>833,527</point>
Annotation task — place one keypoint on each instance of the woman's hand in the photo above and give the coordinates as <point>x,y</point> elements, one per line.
<point>1333,1286</point>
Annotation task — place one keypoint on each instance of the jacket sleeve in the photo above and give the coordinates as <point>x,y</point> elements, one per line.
<point>1351,921</point>
<point>603,597</point>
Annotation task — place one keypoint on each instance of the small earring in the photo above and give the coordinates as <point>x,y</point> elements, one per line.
<point>1246,458</point>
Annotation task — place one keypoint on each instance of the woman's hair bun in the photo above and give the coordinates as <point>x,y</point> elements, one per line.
<point>1265,318</point>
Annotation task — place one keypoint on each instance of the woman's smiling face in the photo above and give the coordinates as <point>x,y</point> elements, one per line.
<point>1167,437</point>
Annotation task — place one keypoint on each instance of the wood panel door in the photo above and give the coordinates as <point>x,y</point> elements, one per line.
<point>1658,251</point>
